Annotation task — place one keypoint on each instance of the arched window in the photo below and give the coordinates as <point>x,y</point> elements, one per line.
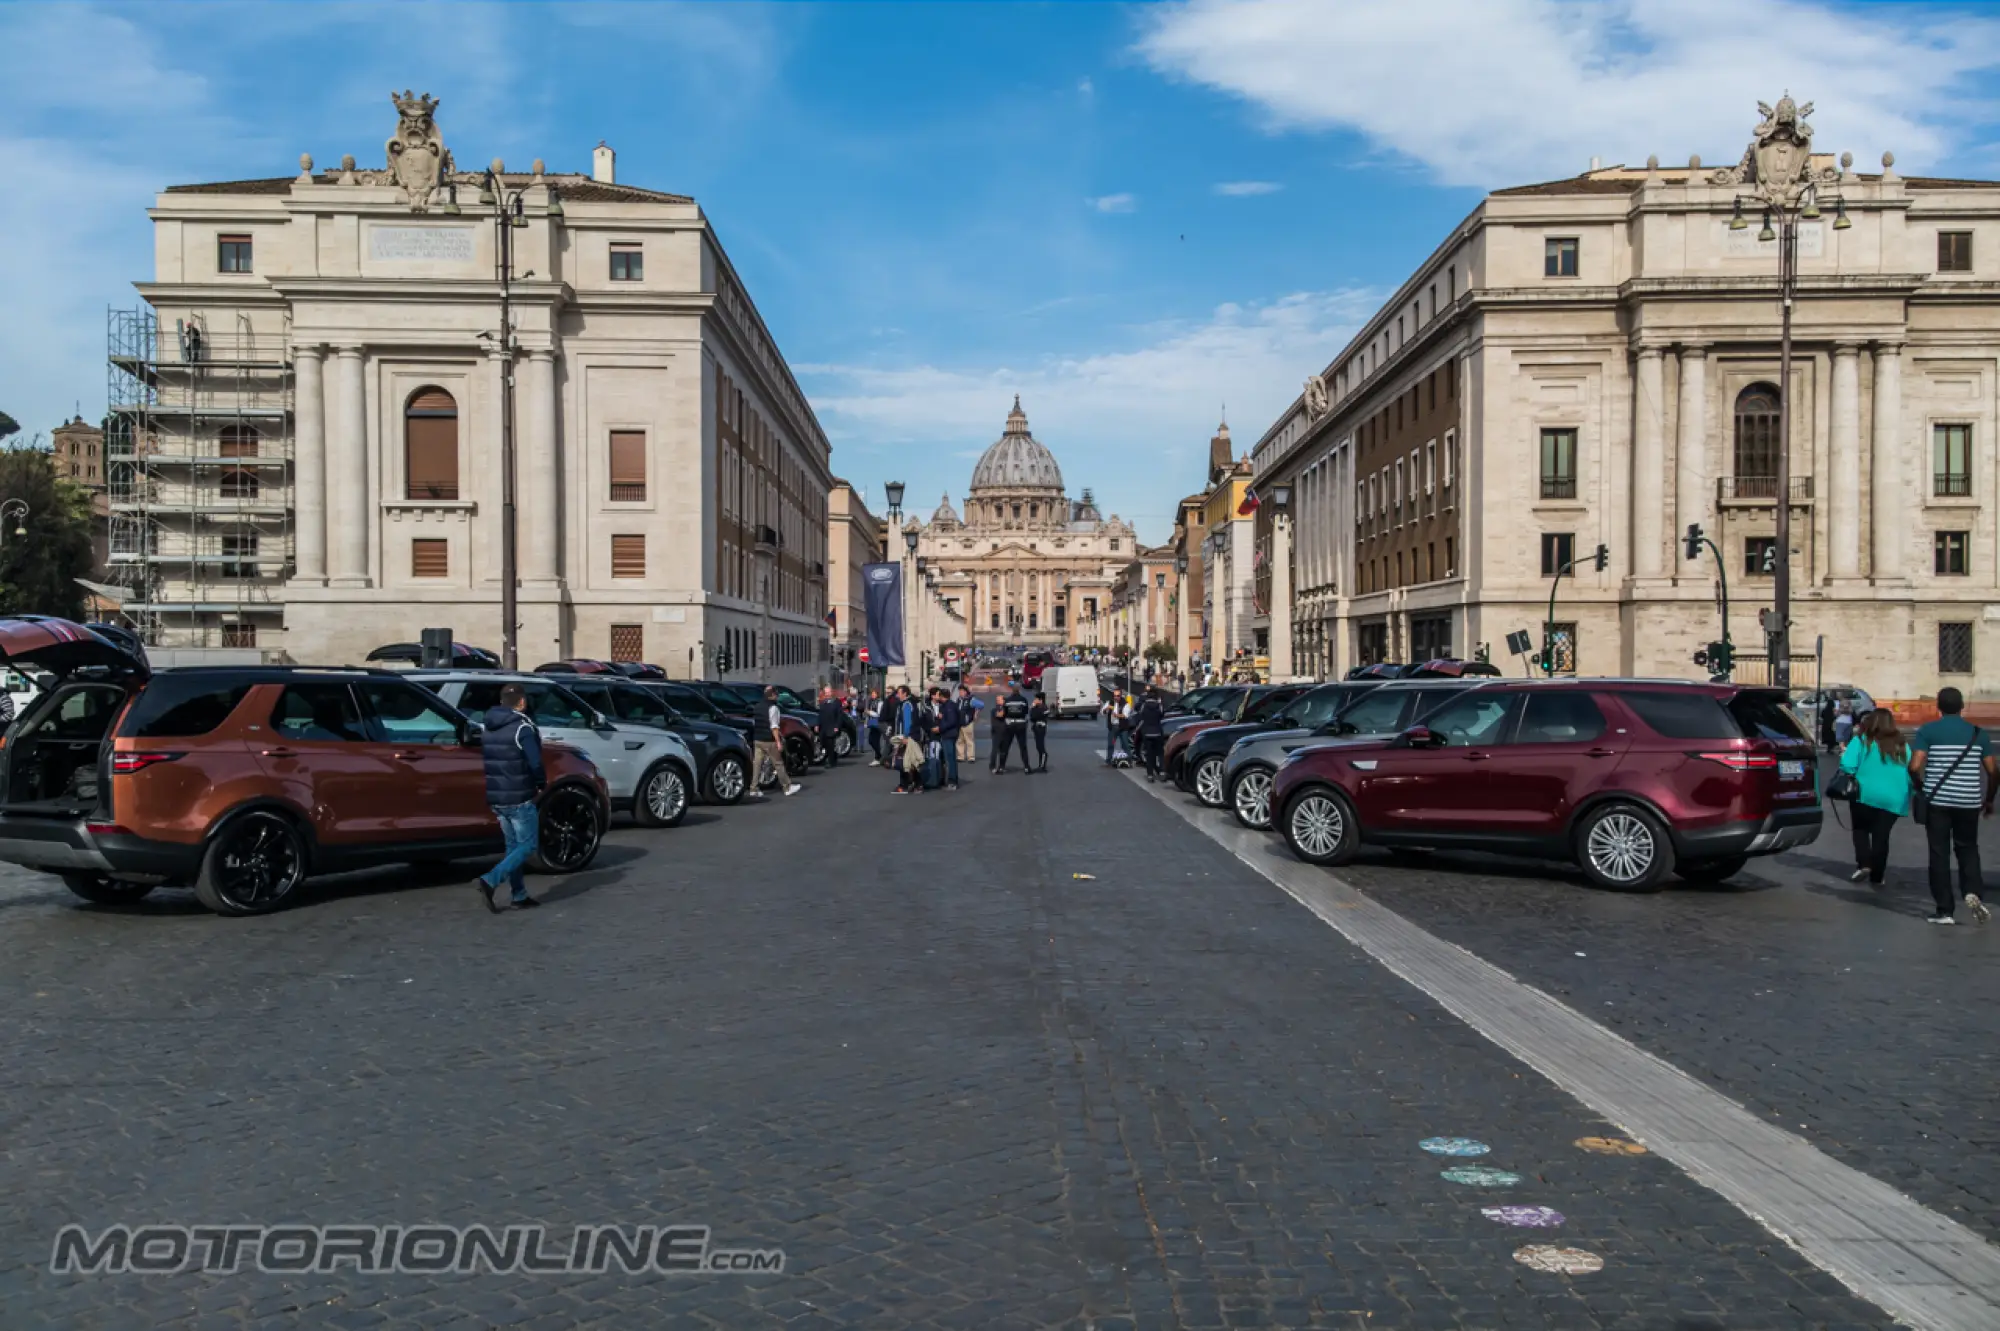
<point>430,445</point>
<point>238,441</point>
<point>1757,442</point>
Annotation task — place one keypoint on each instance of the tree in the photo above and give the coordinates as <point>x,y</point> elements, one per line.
<point>1160,654</point>
<point>38,571</point>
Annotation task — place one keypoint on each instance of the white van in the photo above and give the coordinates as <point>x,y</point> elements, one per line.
<point>1071,690</point>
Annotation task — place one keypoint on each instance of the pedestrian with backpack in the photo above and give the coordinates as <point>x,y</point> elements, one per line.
<point>1954,772</point>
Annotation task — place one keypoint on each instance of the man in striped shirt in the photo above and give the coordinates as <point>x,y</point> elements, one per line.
<point>1953,766</point>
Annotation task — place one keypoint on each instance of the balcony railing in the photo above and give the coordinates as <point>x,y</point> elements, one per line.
<point>1751,489</point>
<point>1951,484</point>
<point>1558,487</point>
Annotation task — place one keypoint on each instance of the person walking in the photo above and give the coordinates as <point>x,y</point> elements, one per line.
<point>909,729</point>
<point>873,708</point>
<point>1148,723</point>
<point>968,717</point>
<point>1111,712</point>
<point>1878,758</point>
<point>1014,714</point>
<point>1038,726</point>
<point>511,749</point>
<point>1954,770</point>
<point>771,748</point>
<point>997,734</point>
<point>831,720</point>
<point>951,725</point>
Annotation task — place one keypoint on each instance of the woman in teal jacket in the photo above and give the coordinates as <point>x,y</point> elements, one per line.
<point>1879,758</point>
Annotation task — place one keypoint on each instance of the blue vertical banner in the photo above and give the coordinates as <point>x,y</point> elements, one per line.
<point>882,592</point>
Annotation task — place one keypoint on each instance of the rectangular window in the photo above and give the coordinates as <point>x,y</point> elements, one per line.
<point>1954,251</point>
<point>1397,490</point>
<point>1399,568</point>
<point>1951,553</point>
<point>1560,644</point>
<point>239,635</point>
<point>628,465</point>
<point>1451,282</point>
<point>232,254</point>
<point>429,558</point>
<point>1434,300</point>
<point>1061,613</point>
<point>239,545</point>
<point>238,444</point>
<point>628,642</point>
<point>628,556</point>
<point>1430,466</point>
<point>628,261</point>
<point>1431,562</point>
<point>1450,557</point>
<point>1559,256</point>
<point>1760,554</point>
<point>1955,649</point>
<point>1450,456</point>
<point>1951,452</point>
<point>1558,550</point>
<point>1559,464</point>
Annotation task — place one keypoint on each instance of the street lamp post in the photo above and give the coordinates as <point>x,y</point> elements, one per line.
<point>509,215</point>
<point>909,572</point>
<point>1281,583</point>
<point>893,491</point>
<point>1789,192</point>
<point>1181,663</point>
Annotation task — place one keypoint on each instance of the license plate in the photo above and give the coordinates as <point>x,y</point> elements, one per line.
<point>1791,771</point>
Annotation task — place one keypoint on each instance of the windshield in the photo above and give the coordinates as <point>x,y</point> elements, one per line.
<point>1219,706</point>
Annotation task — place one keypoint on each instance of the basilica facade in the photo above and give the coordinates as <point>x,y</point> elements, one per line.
<point>1025,565</point>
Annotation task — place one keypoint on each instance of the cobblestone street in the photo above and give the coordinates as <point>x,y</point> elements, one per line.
<point>1038,1053</point>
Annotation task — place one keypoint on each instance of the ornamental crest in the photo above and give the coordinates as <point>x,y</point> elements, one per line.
<point>1779,159</point>
<point>418,159</point>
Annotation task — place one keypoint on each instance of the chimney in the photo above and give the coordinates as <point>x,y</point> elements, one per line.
<point>603,163</point>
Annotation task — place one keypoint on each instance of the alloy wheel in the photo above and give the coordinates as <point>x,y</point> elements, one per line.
<point>1318,826</point>
<point>1620,847</point>
<point>726,779</point>
<point>1208,782</point>
<point>843,744</point>
<point>570,831</point>
<point>665,795</point>
<point>1253,798</point>
<point>257,864</point>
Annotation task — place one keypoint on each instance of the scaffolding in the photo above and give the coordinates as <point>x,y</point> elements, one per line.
<point>198,467</point>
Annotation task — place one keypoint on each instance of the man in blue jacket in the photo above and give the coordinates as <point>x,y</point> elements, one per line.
<point>949,720</point>
<point>515,779</point>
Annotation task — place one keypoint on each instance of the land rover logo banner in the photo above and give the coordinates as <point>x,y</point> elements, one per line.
<point>882,584</point>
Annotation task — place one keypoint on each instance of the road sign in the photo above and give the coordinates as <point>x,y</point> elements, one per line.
<point>1519,643</point>
<point>864,655</point>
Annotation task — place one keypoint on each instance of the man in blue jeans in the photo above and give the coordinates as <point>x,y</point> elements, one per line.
<point>949,719</point>
<point>515,779</point>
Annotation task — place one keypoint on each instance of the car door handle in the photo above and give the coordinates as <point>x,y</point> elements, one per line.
<point>1602,753</point>
<point>409,757</point>
<point>279,753</point>
<point>1477,757</point>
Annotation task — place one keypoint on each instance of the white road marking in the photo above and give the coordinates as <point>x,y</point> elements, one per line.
<point>1925,1269</point>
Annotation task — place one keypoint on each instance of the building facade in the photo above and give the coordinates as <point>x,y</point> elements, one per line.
<point>1227,559</point>
<point>854,539</point>
<point>324,356</point>
<point>1594,362</point>
<point>1024,565</point>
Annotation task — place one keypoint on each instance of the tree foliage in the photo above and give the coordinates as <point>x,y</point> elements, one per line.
<point>38,570</point>
<point>1161,653</point>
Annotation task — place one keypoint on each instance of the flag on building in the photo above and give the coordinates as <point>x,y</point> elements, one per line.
<point>1250,502</point>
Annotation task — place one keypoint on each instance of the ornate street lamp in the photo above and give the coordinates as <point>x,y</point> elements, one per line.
<point>894,489</point>
<point>1777,176</point>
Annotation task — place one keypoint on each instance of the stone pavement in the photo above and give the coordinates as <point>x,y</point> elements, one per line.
<point>897,1037</point>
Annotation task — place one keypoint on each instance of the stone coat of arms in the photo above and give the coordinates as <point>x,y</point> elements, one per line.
<point>418,159</point>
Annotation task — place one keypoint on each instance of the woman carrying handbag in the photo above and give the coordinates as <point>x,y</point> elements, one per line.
<point>1875,775</point>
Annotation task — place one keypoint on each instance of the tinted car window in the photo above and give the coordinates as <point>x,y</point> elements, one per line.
<point>1316,708</point>
<point>1683,715</point>
<point>687,700</point>
<point>1376,713</point>
<point>547,704</point>
<point>403,715</point>
<point>1473,718</point>
<point>1765,716</point>
<point>1560,718</point>
<point>318,712</point>
<point>632,703</point>
<point>1270,704</point>
<point>175,707</point>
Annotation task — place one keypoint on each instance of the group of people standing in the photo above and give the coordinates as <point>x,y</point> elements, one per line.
<point>1946,775</point>
<point>1136,724</point>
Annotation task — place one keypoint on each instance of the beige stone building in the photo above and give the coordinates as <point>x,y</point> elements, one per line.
<point>1024,565</point>
<point>1594,361</point>
<point>318,382</point>
<point>855,538</point>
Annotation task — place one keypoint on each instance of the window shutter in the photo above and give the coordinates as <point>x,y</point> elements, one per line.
<point>628,642</point>
<point>430,437</point>
<point>430,558</point>
<point>628,556</point>
<point>628,464</point>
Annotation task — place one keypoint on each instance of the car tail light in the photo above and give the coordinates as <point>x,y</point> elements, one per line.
<point>1741,760</point>
<point>107,829</point>
<point>125,763</point>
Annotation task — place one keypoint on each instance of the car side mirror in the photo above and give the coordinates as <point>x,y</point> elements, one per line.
<point>1420,737</point>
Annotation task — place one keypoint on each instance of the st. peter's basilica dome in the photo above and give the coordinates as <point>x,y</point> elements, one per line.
<point>1017,461</point>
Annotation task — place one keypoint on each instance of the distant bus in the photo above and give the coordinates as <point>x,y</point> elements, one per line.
<point>1032,666</point>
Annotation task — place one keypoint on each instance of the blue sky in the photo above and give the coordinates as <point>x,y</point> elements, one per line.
<point>1131,215</point>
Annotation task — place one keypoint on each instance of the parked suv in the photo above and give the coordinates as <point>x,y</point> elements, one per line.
<point>1629,779</point>
<point>243,781</point>
<point>1203,748</point>
<point>649,772</point>
<point>722,753</point>
<point>1373,710</point>
<point>1222,707</point>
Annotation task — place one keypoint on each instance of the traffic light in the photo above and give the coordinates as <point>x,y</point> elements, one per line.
<point>1603,557</point>
<point>1719,657</point>
<point>722,661</point>
<point>1694,540</point>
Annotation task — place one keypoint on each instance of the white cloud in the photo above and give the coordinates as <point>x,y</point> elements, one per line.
<point>1114,203</point>
<point>1238,189</point>
<point>1520,90</point>
<point>1134,423</point>
<point>1086,87</point>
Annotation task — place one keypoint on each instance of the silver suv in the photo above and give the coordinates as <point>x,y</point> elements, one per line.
<point>1388,710</point>
<point>649,772</point>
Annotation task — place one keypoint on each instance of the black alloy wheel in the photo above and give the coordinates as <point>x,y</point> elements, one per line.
<point>252,865</point>
<point>572,827</point>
